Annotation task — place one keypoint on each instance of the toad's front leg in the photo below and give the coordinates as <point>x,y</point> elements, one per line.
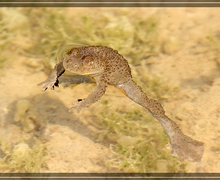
<point>98,92</point>
<point>52,80</point>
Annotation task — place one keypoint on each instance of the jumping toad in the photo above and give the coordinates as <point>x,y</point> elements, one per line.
<point>107,67</point>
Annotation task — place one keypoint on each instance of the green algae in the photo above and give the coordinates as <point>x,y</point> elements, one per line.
<point>138,141</point>
<point>22,158</point>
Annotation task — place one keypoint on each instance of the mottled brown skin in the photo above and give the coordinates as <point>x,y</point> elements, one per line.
<point>107,66</point>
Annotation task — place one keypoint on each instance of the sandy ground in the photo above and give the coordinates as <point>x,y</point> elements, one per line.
<point>71,145</point>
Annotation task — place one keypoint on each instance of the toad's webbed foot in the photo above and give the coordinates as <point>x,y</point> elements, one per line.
<point>186,148</point>
<point>49,84</point>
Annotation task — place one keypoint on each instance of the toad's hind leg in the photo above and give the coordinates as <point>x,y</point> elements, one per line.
<point>74,80</point>
<point>182,146</point>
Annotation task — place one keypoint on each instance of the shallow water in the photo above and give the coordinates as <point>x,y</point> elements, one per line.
<point>39,125</point>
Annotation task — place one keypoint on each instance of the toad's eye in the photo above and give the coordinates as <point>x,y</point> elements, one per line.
<point>88,60</point>
<point>75,52</point>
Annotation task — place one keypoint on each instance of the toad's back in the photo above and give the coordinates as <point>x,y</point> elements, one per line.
<point>98,60</point>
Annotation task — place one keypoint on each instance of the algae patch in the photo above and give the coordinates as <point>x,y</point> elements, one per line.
<point>136,38</point>
<point>138,143</point>
<point>22,158</point>
<point>27,153</point>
